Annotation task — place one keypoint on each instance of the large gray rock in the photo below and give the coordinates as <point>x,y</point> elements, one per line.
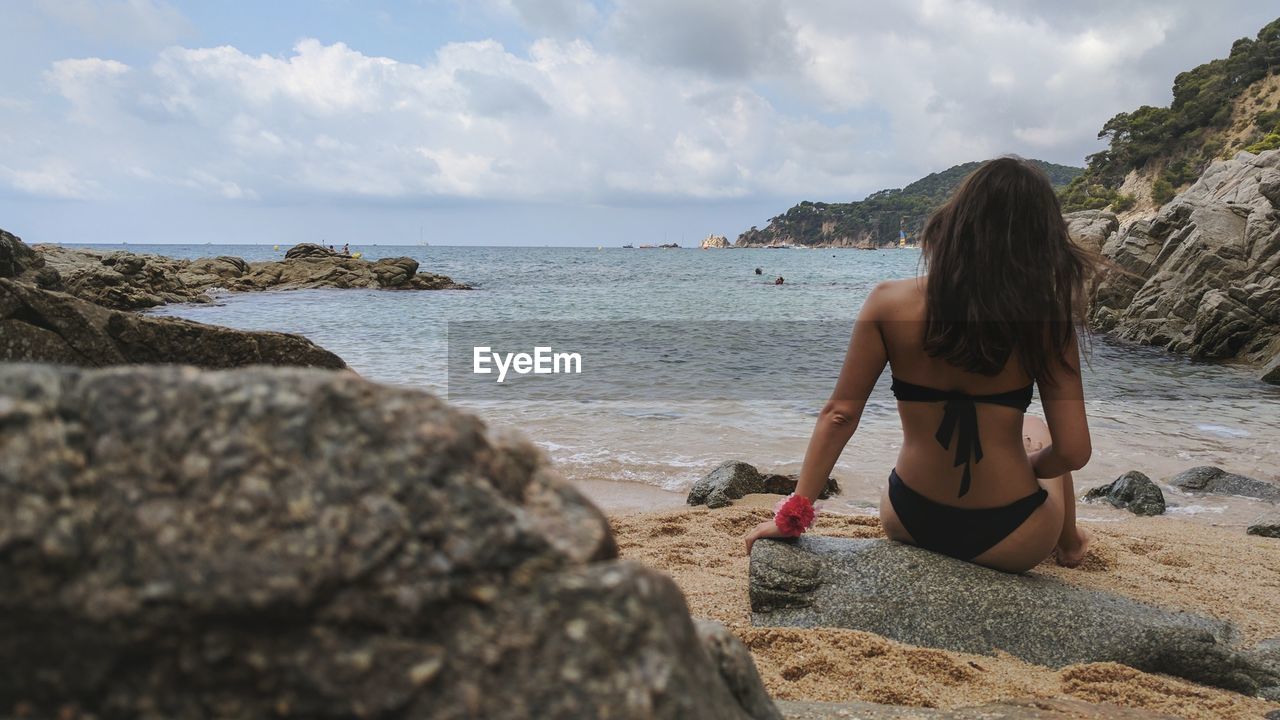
<point>733,479</point>
<point>1132,491</point>
<point>923,598</point>
<point>268,543</point>
<point>42,326</point>
<point>1216,481</point>
<point>1203,276</point>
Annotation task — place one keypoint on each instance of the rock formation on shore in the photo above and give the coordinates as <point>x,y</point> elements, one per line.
<point>1216,481</point>
<point>40,325</point>
<point>267,543</point>
<point>1132,491</point>
<point>715,241</point>
<point>954,605</point>
<point>1202,277</point>
<point>132,281</point>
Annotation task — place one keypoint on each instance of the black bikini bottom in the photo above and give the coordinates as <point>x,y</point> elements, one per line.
<point>963,533</point>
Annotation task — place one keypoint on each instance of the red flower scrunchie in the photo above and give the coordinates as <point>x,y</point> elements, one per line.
<point>794,515</point>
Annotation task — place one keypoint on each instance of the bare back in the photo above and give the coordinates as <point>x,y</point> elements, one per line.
<point>1005,474</point>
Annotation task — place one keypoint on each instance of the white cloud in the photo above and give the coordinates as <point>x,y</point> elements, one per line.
<point>962,80</point>
<point>51,179</point>
<point>649,99</point>
<point>89,84</point>
<point>563,122</point>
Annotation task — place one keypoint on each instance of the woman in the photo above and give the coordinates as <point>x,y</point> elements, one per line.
<point>995,315</point>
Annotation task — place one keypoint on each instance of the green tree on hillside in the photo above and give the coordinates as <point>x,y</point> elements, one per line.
<point>1186,135</point>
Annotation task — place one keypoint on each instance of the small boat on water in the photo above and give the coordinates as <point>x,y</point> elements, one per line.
<point>629,246</point>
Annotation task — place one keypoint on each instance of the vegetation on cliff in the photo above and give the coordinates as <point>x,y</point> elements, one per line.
<point>1218,108</point>
<point>875,220</point>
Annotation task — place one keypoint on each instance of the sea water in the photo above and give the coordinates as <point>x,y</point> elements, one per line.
<point>1148,410</point>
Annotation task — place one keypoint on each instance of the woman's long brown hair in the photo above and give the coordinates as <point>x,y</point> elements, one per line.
<point>1004,278</point>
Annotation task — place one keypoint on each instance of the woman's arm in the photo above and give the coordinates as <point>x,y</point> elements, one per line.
<point>1063,399</point>
<point>863,363</point>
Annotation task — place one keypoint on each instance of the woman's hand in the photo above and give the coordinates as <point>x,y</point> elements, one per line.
<point>766,529</point>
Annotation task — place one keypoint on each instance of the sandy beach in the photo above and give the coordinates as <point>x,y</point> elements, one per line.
<point>1173,563</point>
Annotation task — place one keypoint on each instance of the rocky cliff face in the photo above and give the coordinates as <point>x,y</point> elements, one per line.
<point>131,281</point>
<point>1091,228</point>
<point>1202,277</point>
<point>270,543</point>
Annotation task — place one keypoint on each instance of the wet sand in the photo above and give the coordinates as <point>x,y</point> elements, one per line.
<point>1173,563</point>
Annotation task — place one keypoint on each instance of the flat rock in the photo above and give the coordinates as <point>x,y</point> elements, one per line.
<point>1216,481</point>
<point>43,326</point>
<point>926,599</point>
<point>1132,491</point>
<point>734,479</point>
<point>266,542</point>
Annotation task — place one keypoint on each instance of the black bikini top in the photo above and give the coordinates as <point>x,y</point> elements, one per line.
<point>960,417</point>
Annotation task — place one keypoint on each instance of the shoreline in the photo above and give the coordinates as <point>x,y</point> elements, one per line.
<point>1173,563</point>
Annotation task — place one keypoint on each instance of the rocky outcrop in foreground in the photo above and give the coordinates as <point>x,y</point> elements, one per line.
<point>922,598</point>
<point>42,326</point>
<point>733,479</point>
<point>270,543</point>
<point>1202,278</point>
<point>132,281</point>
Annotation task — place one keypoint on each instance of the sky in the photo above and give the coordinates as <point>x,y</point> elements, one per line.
<point>545,122</point>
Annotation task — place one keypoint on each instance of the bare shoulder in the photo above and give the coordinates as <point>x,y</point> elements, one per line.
<point>892,297</point>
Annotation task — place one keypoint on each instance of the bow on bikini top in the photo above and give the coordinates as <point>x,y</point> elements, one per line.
<point>960,417</point>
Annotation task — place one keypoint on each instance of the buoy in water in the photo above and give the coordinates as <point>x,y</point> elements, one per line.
<point>357,255</point>
<point>275,247</point>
